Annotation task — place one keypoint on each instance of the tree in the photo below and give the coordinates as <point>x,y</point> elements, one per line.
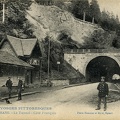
<point>45,2</point>
<point>117,19</point>
<point>105,19</point>
<point>59,3</point>
<point>100,39</point>
<point>56,53</point>
<point>16,23</point>
<point>79,7</point>
<point>116,42</point>
<point>66,40</point>
<point>118,30</point>
<point>109,21</point>
<point>95,11</point>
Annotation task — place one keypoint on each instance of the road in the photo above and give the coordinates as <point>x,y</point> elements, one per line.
<point>74,101</point>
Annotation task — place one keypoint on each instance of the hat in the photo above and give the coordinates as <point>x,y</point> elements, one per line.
<point>103,77</point>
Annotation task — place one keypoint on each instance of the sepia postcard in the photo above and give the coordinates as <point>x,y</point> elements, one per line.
<point>59,59</point>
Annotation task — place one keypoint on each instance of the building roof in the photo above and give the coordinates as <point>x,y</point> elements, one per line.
<point>22,46</point>
<point>6,58</point>
<point>28,46</point>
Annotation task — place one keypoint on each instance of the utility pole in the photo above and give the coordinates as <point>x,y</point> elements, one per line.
<point>3,20</point>
<point>40,69</point>
<point>84,16</point>
<point>48,59</point>
<point>93,20</point>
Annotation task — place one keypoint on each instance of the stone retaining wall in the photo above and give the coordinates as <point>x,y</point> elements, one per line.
<point>60,82</point>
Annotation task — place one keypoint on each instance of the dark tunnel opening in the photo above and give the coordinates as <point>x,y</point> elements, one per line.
<point>101,66</point>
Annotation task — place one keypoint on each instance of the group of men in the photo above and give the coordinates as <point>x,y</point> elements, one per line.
<point>102,88</point>
<point>19,87</point>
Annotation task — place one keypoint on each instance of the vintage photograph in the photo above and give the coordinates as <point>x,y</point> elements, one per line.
<point>59,59</point>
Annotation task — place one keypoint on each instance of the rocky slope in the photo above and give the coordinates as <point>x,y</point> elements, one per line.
<point>48,21</point>
<point>52,21</point>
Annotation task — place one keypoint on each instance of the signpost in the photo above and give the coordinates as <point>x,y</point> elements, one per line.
<point>58,63</point>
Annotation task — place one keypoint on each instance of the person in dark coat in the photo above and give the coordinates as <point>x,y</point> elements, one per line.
<point>103,93</point>
<point>9,86</point>
<point>20,84</point>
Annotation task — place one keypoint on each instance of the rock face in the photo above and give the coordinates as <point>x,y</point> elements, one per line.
<point>51,20</point>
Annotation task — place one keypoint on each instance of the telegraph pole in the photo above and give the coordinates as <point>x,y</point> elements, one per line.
<point>3,20</point>
<point>48,59</point>
<point>93,20</point>
<point>84,16</point>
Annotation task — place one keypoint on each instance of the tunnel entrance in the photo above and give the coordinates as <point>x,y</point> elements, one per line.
<point>101,66</point>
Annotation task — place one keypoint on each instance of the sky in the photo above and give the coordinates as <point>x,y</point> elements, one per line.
<point>111,6</point>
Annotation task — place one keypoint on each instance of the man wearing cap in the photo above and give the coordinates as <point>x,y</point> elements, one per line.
<point>9,86</point>
<point>103,93</point>
<point>20,84</point>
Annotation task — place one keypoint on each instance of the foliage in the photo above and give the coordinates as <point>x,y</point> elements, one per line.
<point>79,8</point>
<point>95,11</point>
<point>109,21</point>
<point>99,40</point>
<point>58,3</point>
<point>105,19</point>
<point>116,42</point>
<point>66,71</point>
<point>67,41</point>
<point>45,2</point>
<point>56,53</point>
<point>15,19</point>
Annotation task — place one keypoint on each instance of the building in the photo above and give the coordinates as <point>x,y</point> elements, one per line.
<point>13,67</point>
<point>27,50</point>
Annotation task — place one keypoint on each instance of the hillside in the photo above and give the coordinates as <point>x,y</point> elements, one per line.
<point>44,21</point>
<point>51,20</point>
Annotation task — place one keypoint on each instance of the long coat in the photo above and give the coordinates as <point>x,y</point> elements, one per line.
<point>20,83</point>
<point>103,89</point>
<point>9,84</point>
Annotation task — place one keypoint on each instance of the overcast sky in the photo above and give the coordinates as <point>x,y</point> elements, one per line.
<point>111,6</point>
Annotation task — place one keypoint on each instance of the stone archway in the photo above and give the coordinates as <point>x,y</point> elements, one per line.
<point>101,66</point>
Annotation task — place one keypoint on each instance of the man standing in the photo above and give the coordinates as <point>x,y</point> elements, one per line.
<point>9,86</point>
<point>20,84</point>
<point>103,93</point>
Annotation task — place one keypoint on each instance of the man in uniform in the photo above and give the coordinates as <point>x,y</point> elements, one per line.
<point>9,86</point>
<point>20,84</point>
<point>103,93</point>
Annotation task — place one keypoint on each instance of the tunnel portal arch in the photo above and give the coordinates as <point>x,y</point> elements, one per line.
<point>102,66</point>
